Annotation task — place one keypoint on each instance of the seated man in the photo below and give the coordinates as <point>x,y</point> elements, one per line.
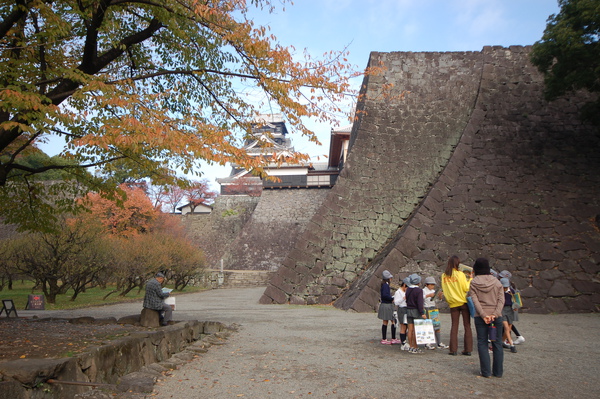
<point>154,298</point>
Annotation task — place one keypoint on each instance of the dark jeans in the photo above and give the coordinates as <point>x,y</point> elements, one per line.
<point>455,314</point>
<point>482,347</point>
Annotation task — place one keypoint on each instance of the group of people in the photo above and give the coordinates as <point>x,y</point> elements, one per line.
<point>483,294</point>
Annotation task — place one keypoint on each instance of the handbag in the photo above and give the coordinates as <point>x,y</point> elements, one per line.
<point>434,315</point>
<point>516,300</point>
<point>424,332</point>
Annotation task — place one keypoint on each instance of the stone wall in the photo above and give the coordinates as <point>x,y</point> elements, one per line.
<point>471,161</point>
<point>272,230</point>
<point>214,232</point>
<point>105,365</point>
<point>253,233</point>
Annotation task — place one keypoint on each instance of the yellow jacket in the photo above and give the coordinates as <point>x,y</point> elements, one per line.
<point>455,288</point>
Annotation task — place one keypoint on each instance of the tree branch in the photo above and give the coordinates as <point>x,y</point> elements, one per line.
<point>42,169</point>
<point>66,88</point>
<point>20,9</point>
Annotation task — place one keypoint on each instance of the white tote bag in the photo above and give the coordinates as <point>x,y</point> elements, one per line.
<point>424,331</point>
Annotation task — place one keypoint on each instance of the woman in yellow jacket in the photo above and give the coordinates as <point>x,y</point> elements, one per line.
<point>455,286</point>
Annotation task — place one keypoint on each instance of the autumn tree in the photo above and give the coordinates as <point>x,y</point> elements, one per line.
<point>138,258</point>
<point>70,258</point>
<point>199,193</point>
<point>144,88</point>
<point>129,215</point>
<point>569,52</point>
<point>170,197</point>
<point>144,240</point>
<point>185,261</point>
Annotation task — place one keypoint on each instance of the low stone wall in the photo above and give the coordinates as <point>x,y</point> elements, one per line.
<point>138,356</point>
<point>236,278</point>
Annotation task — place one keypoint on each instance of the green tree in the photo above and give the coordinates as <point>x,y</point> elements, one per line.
<point>569,52</point>
<point>146,87</point>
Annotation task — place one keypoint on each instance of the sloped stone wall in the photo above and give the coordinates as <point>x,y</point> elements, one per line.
<point>405,136</point>
<point>520,185</point>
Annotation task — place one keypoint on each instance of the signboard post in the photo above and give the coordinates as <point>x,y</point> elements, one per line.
<point>36,302</point>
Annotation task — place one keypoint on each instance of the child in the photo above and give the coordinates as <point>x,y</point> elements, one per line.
<point>520,339</point>
<point>386,310</point>
<point>414,310</point>
<point>432,312</point>
<point>400,301</point>
<point>508,313</point>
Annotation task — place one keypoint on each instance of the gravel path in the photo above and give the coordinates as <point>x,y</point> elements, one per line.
<point>320,352</point>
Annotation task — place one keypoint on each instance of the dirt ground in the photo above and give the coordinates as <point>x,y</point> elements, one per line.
<point>320,351</point>
<point>50,338</point>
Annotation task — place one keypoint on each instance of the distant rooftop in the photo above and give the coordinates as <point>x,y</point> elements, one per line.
<point>269,118</point>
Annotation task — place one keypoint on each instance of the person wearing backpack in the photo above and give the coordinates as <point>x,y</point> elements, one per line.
<point>516,305</point>
<point>508,314</point>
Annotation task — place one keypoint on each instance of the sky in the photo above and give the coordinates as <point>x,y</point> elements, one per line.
<point>363,26</point>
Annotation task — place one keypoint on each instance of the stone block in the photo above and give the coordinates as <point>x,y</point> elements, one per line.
<point>132,319</point>
<point>530,292</point>
<point>150,318</point>
<point>582,303</point>
<point>590,267</point>
<point>552,274</point>
<point>136,382</point>
<point>561,288</point>
<point>275,294</point>
<point>586,287</point>
<point>555,305</point>
<point>26,371</point>
<point>297,300</point>
<point>82,320</point>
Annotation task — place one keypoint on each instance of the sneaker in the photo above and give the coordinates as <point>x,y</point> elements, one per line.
<point>505,345</point>
<point>405,346</point>
<point>415,350</point>
<point>396,341</point>
<point>519,340</point>
<point>386,342</point>
<point>441,345</point>
<point>513,349</point>
<point>430,346</point>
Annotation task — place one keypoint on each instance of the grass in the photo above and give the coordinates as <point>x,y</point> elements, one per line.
<point>91,297</point>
